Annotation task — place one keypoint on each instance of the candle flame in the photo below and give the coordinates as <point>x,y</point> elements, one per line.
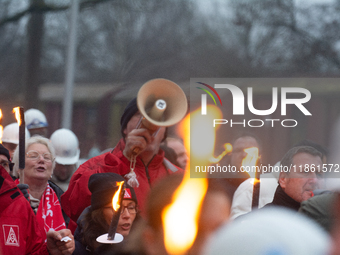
<point>115,199</point>
<point>16,110</point>
<point>251,159</point>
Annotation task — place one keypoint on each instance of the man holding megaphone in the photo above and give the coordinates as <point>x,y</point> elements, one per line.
<point>137,156</point>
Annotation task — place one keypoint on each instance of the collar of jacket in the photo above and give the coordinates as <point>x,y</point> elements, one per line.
<point>6,181</point>
<point>282,199</point>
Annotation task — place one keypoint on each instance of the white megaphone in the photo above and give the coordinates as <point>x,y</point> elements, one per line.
<point>162,103</point>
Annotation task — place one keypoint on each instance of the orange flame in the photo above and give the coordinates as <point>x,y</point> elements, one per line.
<point>249,162</point>
<point>115,199</point>
<point>16,110</point>
<point>180,218</point>
<point>1,127</point>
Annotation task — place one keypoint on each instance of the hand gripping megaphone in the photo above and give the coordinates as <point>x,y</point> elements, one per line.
<point>162,103</point>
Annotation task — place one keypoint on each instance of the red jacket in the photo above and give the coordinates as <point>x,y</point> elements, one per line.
<point>78,197</point>
<point>19,229</point>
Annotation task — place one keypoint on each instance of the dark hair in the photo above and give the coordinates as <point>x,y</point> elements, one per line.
<point>94,225</point>
<point>315,145</point>
<point>287,159</point>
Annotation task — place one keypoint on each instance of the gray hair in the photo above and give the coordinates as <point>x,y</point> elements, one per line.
<point>287,159</point>
<point>29,142</point>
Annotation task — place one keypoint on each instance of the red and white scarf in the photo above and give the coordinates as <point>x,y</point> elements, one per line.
<point>49,215</point>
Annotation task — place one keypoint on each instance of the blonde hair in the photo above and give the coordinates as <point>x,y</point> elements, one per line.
<point>29,142</point>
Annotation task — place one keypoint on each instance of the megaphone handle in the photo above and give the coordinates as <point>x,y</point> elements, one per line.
<point>135,150</point>
<point>133,162</point>
<point>139,124</point>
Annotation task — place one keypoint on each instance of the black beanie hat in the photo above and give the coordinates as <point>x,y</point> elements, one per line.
<point>129,111</point>
<point>103,186</point>
<point>5,152</point>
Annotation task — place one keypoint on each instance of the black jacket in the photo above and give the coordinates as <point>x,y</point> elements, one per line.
<point>282,199</point>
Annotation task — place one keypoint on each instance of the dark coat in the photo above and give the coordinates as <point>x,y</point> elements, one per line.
<point>319,208</point>
<point>282,199</point>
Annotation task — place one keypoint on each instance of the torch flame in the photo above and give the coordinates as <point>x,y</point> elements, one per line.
<point>16,110</point>
<point>115,199</point>
<point>251,159</point>
<point>180,218</point>
<point>1,127</point>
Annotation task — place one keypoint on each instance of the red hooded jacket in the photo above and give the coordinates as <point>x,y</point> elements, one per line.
<point>19,229</point>
<point>78,197</point>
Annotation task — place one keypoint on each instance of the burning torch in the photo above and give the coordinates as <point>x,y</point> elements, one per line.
<point>112,236</point>
<point>20,117</point>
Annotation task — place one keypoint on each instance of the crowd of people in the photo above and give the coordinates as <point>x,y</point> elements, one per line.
<point>57,206</point>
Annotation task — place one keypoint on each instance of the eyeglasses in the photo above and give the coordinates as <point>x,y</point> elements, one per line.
<point>7,164</point>
<point>131,209</point>
<point>34,155</point>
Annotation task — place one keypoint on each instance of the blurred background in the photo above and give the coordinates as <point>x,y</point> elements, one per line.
<point>120,44</point>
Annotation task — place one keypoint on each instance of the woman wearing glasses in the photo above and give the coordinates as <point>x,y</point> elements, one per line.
<point>43,195</point>
<point>96,219</point>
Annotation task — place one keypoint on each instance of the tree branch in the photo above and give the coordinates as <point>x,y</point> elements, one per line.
<point>46,8</point>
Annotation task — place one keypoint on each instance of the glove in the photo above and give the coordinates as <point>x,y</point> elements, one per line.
<point>24,190</point>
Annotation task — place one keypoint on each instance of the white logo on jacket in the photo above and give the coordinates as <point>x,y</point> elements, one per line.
<point>11,235</point>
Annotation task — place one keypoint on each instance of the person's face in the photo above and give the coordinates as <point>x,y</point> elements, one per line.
<point>133,122</point>
<point>37,168</point>
<point>126,217</point>
<point>182,156</point>
<point>4,162</point>
<point>300,182</point>
<point>238,153</point>
<point>63,172</point>
<point>10,147</point>
<point>38,131</point>
<point>157,137</point>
